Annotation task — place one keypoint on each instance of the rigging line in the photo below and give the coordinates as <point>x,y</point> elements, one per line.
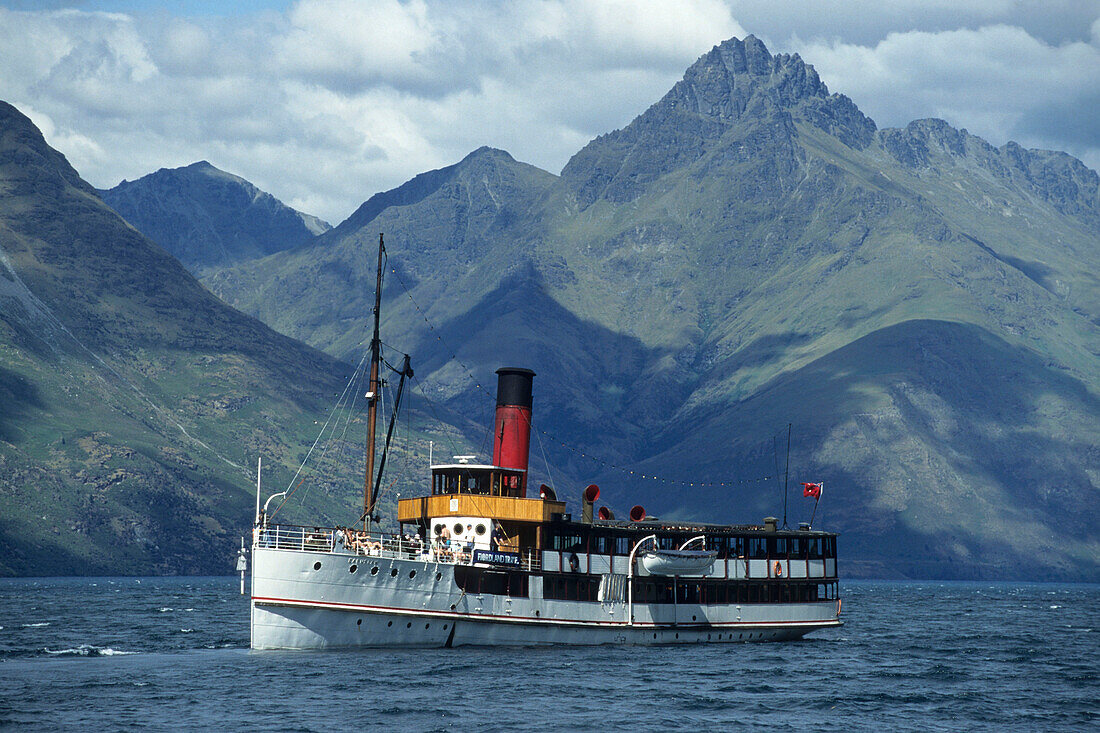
<point>318,470</point>
<point>607,464</point>
<point>290,491</point>
<point>431,408</point>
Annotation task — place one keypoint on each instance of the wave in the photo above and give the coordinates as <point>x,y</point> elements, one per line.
<point>35,626</point>
<point>87,650</point>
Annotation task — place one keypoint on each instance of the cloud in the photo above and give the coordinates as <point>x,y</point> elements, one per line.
<point>997,81</point>
<point>329,101</point>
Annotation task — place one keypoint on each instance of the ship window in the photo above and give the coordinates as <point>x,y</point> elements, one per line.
<point>622,545</point>
<point>316,566</point>
<point>438,529</point>
<point>757,549</point>
<point>480,529</point>
<point>566,541</point>
<point>458,528</point>
<point>779,549</point>
<point>353,568</point>
<point>600,544</point>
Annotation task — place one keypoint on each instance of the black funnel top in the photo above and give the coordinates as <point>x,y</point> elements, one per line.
<point>514,386</point>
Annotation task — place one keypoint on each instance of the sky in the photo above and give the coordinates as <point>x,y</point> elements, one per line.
<point>325,102</point>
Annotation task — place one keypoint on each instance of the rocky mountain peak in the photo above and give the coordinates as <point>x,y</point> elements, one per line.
<point>488,166</point>
<point>34,164</point>
<point>208,217</point>
<point>722,82</point>
<point>736,85</point>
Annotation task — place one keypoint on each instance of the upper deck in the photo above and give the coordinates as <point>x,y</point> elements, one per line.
<point>464,489</point>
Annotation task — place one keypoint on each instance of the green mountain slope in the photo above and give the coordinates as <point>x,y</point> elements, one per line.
<point>206,217</point>
<point>135,403</point>
<point>750,251</point>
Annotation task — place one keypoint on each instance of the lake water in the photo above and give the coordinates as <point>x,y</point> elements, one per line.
<point>116,653</point>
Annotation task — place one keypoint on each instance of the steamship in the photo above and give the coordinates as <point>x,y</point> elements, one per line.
<point>481,558</point>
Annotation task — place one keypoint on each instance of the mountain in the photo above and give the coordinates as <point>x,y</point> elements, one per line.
<point>752,251</point>
<point>135,403</point>
<point>206,217</point>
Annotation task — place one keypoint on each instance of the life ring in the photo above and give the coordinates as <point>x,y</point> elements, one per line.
<point>778,569</point>
<point>574,562</point>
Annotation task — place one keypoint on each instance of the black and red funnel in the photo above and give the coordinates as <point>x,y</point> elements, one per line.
<point>512,433</point>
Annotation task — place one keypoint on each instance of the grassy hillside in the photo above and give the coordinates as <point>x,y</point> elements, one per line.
<point>135,403</point>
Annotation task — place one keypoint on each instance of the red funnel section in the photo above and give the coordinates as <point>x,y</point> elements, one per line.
<point>591,493</point>
<point>605,514</point>
<point>637,513</point>
<point>512,433</point>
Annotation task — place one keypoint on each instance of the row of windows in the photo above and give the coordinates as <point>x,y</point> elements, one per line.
<point>700,592</point>
<point>756,548</point>
<point>493,582</point>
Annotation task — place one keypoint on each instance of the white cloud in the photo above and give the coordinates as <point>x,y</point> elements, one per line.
<point>334,100</point>
<point>997,81</point>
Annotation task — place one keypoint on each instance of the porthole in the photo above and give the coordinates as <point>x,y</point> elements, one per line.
<point>677,635</point>
<point>458,528</point>
<point>708,637</point>
<point>393,572</point>
<point>480,529</point>
<point>538,613</point>
<point>412,574</point>
<point>444,627</point>
<point>427,626</point>
<point>438,529</point>
<point>409,625</point>
<point>374,570</point>
<point>359,622</point>
<point>452,606</point>
<point>654,636</point>
<point>316,566</point>
<point>439,576</point>
<point>692,618</point>
<point>389,623</point>
<point>353,568</point>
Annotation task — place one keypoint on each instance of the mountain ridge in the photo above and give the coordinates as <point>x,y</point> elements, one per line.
<point>207,217</point>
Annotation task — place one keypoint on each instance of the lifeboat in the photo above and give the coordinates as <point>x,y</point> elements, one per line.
<point>678,562</point>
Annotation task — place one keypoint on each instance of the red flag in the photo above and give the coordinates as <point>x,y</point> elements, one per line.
<point>813,490</point>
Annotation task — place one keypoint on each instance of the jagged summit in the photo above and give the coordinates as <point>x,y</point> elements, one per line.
<point>738,88</point>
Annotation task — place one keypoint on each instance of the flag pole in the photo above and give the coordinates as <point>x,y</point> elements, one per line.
<point>816,500</point>
<point>786,475</point>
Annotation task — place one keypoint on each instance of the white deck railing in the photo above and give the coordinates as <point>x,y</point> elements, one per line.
<point>394,547</point>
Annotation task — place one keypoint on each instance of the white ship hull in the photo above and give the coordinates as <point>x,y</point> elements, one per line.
<point>304,599</point>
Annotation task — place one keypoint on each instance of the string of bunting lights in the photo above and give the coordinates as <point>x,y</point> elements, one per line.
<point>562,443</point>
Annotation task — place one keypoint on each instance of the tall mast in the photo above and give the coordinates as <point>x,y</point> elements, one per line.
<point>373,390</point>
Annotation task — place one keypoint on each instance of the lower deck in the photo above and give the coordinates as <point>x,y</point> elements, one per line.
<point>304,599</point>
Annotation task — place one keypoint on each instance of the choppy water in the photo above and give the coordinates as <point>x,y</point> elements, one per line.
<point>115,653</point>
